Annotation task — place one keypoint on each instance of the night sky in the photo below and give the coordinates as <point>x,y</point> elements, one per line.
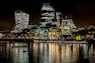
<point>83,12</point>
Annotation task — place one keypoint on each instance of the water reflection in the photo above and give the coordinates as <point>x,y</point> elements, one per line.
<point>20,53</point>
<point>62,53</point>
<point>46,53</point>
<point>14,53</point>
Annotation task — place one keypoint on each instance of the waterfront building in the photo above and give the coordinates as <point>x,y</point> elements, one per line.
<point>52,26</point>
<point>21,21</point>
<point>54,33</point>
<point>67,26</point>
<point>34,30</point>
<point>47,21</point>
<point>47,14</point>
<point>43,33</point>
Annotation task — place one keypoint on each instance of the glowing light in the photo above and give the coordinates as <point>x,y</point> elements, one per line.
<point>59,13</point>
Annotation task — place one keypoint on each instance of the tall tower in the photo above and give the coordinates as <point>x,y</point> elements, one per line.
<point>21,21</point>
<point>47,14</point>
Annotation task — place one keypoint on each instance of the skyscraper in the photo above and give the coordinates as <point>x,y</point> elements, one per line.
<point>21,21</point>
<point>47,14</point>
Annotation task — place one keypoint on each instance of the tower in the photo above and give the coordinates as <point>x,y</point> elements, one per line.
<point>47,14</point>
<point>21,21</point>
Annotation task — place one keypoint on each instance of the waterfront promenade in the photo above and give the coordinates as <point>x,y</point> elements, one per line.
<point>44,41</point>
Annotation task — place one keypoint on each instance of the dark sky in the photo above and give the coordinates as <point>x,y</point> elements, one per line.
<point>83,12</point>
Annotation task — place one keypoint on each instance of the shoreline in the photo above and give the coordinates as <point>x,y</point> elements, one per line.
<point>44,41</point>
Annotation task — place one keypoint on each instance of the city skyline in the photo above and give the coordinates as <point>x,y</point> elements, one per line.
<point>81,11</point>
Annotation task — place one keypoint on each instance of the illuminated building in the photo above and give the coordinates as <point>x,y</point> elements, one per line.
<point>50,19</point>
<point>21,21</point>
<point>48,22</point>
<point>54,33</point>
<point>43,33</point>
<point>47,14</point>
<point>67,26</point>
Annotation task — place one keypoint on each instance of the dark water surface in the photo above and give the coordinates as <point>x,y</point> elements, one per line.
<point>46,53</point>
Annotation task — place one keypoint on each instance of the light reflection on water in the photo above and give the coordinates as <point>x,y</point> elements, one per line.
<point>56,53</point>
<point>46,53</point>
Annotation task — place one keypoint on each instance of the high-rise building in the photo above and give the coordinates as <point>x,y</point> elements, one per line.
<point>48,25</point>
<point>47,14</point>
<point>21,21</point>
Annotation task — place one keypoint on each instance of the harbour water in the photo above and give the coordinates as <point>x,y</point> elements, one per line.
<point>21,52</point>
